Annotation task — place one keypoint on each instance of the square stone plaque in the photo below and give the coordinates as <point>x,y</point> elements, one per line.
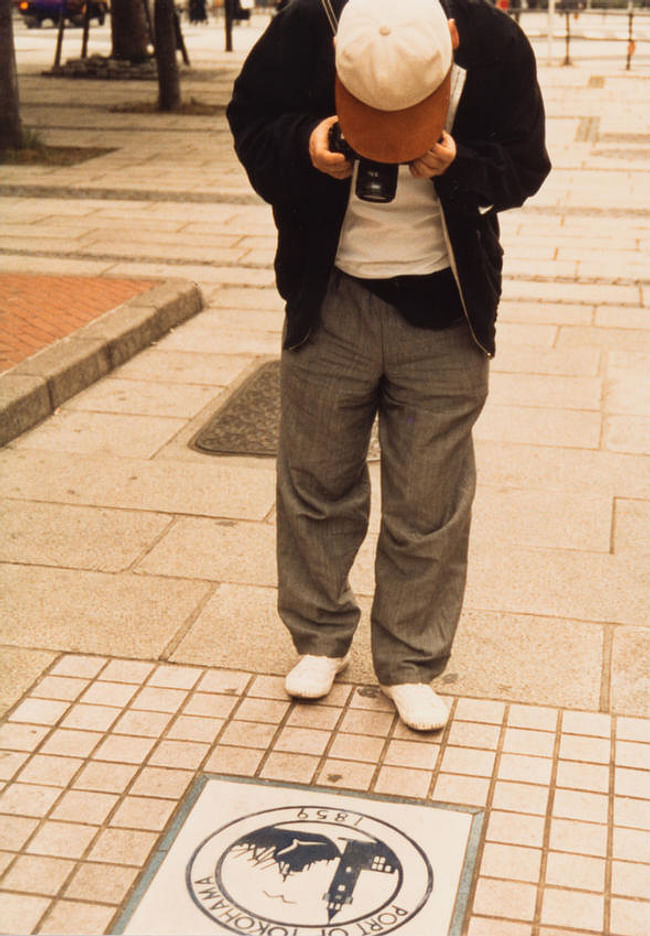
<point>273,859</point>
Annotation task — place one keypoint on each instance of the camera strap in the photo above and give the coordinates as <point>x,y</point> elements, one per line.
<point>331,15</point>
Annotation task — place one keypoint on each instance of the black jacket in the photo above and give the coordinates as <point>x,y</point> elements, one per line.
<point>286,88</point>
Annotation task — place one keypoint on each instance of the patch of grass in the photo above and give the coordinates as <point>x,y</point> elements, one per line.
<point>191,108</point>
<point>42,155</point>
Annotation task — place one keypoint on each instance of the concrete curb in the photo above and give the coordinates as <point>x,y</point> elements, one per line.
<point>33,389</point>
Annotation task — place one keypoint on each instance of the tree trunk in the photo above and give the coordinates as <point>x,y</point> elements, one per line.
<point>169,87</point>
<point>129,30</point>
<point>11,131</point>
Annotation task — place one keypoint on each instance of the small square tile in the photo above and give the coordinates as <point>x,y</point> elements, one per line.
<point>633,729</point>
<point>84,806</point>
<point>224,682</point>
<point>104,883</point>
<point>170,676</point>
<point>267,687</point>
<point>348,775</point>
<point>14,831</point>
<point>105,777</point>
<point>11,762</point>
<point>520,797</point>
<point>467,791</point>
<point>575,909</point>
<point>90,717</point>
<point>361,721</point>
<point>179,754</point>
<point>36,874</point>
<point>630,917</point>
<point>127,671</point>
<point>25,799</point>
<point>69,918</point>
<point>520,767</point>
<point>155,699</point>
<point>474,734</point>
<point>582,838</point>
<point>242,762</point>
<point>513,829</point>
<point>468,761</point>
<point>209,704</point>
<point>302,741</point>
<point>299,768</point>
<point>50,769</point>
<point>123,846</point>
<point>85,667</point>
<point>16,737</point>
<point>633,754</point>
<point>162,782</point>
<point>402,781</point>
<point>587,723</point>
<point>510,899</point>
<point>271,711</point>
<point>480,710</point>
<point>577,804</point>
<point>71,743</point>
<point>578,872</point>
<point>418,754</point>
<point>576,776</point>
<point>632,845</point>
<point>630,782</point>
<point>248,734</point>
<point>630,880</point>
<point>108,693</point>
<point>511,862</point>
<point>39,711</point>
<point>525,741</point>
<point>532,716</point>
<point>357,748</point>
<point>124,749</point>
<point>59,687</point>
<point>314,716</point>
<point>142,724</point>
<point>143,812</point>
<point>581,748</point>
<point>194,728</point>
<point>62,839</point>
<point>20,913</point>
<point>485,926</point>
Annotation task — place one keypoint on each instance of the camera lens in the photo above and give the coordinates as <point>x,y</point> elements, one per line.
<point>376,182</point>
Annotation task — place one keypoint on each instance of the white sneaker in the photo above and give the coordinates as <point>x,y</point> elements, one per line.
<point>418,705</point>
<point>313,676</point>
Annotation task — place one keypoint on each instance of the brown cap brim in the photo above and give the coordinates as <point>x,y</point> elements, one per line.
<point>393,136</point>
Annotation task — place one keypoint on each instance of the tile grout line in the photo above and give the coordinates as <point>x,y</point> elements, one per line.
<point>548,821</point>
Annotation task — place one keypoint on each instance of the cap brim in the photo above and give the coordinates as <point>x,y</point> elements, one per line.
<point>393,136</point>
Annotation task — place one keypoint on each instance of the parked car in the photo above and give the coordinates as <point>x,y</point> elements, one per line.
<point>36,12</point>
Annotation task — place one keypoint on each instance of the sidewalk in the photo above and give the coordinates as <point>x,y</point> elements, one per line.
<point>140,646</point>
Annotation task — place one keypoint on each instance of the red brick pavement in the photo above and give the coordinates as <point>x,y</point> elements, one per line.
<point>36,311</point>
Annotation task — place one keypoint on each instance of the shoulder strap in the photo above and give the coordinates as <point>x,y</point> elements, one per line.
<point>330,14</point>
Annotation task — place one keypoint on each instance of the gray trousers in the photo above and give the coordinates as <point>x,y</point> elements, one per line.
<point>428,388</point>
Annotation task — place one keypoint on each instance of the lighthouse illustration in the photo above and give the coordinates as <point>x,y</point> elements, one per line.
<point>295,851</point>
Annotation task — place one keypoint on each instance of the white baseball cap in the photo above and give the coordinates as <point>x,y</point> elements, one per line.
<point>393,75</point>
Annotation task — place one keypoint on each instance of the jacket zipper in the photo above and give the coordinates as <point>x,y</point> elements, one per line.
<point>454,270</point>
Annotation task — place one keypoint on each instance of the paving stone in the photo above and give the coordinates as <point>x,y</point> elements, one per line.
<point>94,612</point>
<point>19,668</point>
<point>77,537</point>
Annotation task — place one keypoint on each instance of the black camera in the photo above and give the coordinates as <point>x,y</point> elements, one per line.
<point>376,181</point>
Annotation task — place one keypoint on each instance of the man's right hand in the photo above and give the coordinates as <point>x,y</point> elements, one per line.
<point>322,158</point>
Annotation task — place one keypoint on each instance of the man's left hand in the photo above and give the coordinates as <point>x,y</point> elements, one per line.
<point>436,160</point>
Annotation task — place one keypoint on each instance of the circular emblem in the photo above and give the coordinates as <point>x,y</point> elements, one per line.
<point>309,871</point>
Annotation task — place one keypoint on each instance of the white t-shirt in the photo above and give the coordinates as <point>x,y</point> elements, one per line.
<point>402,237</point>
